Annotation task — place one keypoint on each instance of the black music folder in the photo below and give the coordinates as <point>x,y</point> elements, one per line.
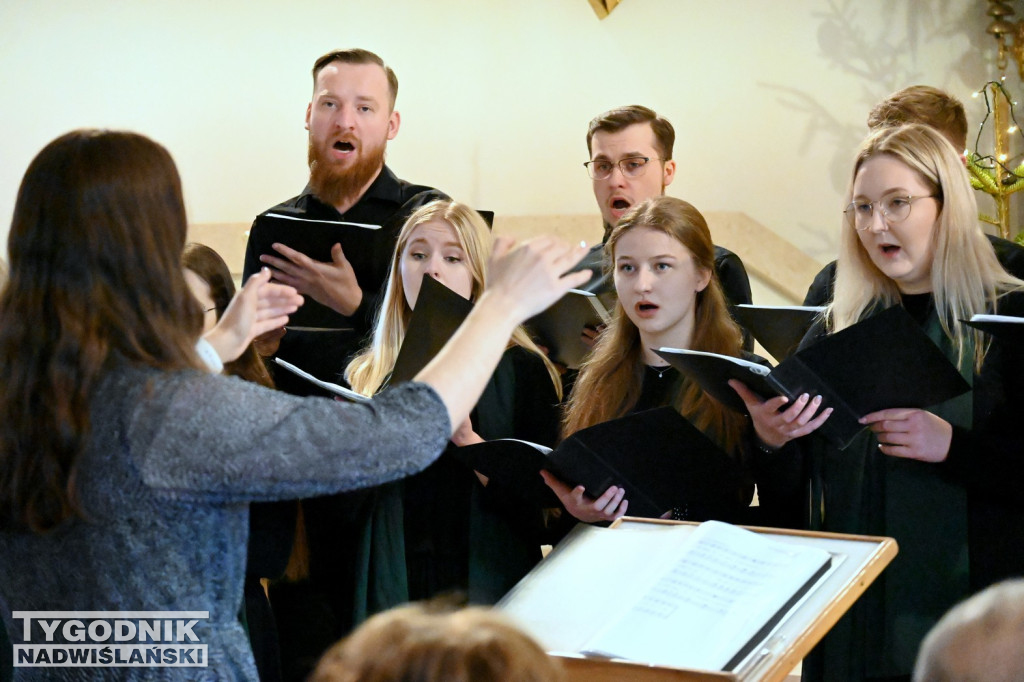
<point>438,313</point>
<point>315,238</point>
<point>883,361</point>
<point>560,326</point>
<point>780,329</point>
<point>657,456</point>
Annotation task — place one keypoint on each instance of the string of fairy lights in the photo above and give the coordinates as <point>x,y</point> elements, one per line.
<point>995,173</point>
<point>990,161</point>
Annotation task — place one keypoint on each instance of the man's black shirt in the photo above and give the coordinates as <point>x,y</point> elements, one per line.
<point>388,202</point>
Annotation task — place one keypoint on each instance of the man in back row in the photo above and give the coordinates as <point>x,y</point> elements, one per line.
<point>631,160</point>
<point>944,112</point>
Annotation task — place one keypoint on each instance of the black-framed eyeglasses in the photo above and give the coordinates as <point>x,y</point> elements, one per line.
<point>895,209</point>
<point>631,167</point>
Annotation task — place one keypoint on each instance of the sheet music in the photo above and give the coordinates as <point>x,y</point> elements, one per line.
<point>563,609</point>
<point>711,601</point>
<point>739,362</point>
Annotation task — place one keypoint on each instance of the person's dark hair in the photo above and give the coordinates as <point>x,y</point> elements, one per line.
<point>211,268</point>
<point>614,120</point>
<point>927,105</point>
<point>357,55</point>
<point>95,279</point>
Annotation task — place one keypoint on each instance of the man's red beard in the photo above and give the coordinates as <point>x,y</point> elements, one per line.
<point>336,185</point>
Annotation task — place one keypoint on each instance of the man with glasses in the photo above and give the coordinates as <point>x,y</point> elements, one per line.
<point>931,107</point>
<point>630,161</point>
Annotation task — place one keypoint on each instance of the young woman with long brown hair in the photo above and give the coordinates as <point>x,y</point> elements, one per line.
<point>663,263</point>
<point>126,468</point>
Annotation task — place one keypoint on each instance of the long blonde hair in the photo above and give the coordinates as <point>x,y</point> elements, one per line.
<point>610,380</point>
<point>368,370</point>
<point>966,277</point>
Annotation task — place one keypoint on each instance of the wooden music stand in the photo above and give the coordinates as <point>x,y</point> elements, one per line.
<point>861,560</point>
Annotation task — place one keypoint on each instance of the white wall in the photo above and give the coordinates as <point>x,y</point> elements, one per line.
<point>768,97</point>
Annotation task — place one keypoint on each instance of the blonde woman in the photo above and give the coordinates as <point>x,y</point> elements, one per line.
<point>462,532</point>
<point>942,481</point>
<point>444,529</point>
<point>451,243</point>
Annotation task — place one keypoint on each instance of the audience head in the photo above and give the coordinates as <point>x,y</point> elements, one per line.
<point>94,278</point>
<point>413,644</point>
<point>926,105</point>
<point>350,119</point>
<point>630,159</point>
<point>979,640</point>
<point>211,283</point>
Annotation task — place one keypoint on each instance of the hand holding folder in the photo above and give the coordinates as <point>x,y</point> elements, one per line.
<point>883,361</point>
<point>314,240</point>
<point>657,456</point>
<point>559,327</point>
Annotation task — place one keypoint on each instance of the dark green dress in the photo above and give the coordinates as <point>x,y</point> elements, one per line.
<point>860,490</point>
<point>462,536</point>
<point>441,530</point>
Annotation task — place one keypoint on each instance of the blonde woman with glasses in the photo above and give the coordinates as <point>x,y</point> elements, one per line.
<point>942,481</point>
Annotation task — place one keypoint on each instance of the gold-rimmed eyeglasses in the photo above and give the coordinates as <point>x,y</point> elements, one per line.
<point>631,167</point>
<point>895,209</point>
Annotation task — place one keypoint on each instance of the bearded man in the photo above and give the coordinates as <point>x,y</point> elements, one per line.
<point>350,119</point>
